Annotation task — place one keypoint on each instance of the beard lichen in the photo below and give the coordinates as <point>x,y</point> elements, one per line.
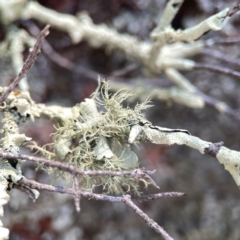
<point>98,140</point>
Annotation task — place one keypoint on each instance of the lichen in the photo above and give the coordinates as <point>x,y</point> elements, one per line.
<point>98,139</point>
<point>4,198</point>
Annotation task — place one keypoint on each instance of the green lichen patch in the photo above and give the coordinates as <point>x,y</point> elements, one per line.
<point>98,139</point>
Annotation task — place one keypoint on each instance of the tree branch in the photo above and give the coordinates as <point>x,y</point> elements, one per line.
<point>28,63</point>
<point>150,222</point>
<point>222,70</point>
<point>222,107</point>
<point>137,174</point>
<point>221,56</point>
<point>230,40</point>
<point>125,199</point>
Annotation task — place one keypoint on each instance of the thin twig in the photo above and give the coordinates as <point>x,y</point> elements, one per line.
<point>221,56</point>
<point>27,64</point>
<point>217,69</point>
<point>125,199</point>
<point>137,174</point>
<point>159,195</point>
<point>123,71</point>
<point>233,10</point>
<point>57,58</point>
<point>217,104</point>
<point>71,191</point>
<point>229,40</point>
<point>184,83</point>
<point>150,222</point>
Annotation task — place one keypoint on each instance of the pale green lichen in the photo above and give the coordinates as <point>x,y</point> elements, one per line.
<point>98,139</point>
<point>170,48</point>
<point>169,35</point>
<point>16,108</point>
<point>171,94</point>
<point>160,135</point>
<point>4,198</point>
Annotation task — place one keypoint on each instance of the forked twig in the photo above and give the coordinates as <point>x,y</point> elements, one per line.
<point>27,64</point>
<point>125,199</point>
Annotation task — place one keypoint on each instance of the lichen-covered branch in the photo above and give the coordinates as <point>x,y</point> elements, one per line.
<point>16,108</point>
<point>95,136</point>
<point>169,13</point>
<point>231,161</point>
<point>167,52</point>
<point>104,136</point>
<point>172,94</point>
<point>4,198</point>
<point>215,22</point>
<point>82,28</point>
<point>146,132</point>
<point>201,97</point>
<point>153,56</point>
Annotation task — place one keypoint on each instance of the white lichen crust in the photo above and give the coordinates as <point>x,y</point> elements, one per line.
<point>231,161</point>
<point>171,94</point>
<point>4,198</point>
<point>169,50</point>
<point>16,108</point>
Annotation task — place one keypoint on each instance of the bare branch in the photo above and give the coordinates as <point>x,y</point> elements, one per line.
<point>221,56</point>
<point>222,70</point>
<point>28,63</point>
<point>233,10</point>
<point>123,71</point>
<point>230,40</point>
<point>125,199</point>
<point>185,84</point>
<point>150,222</point>
<point>219,105</point>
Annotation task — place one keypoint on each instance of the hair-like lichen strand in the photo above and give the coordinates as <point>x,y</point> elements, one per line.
<point>98,139</point>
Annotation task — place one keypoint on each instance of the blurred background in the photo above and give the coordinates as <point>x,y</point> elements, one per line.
<point>211,208</point>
